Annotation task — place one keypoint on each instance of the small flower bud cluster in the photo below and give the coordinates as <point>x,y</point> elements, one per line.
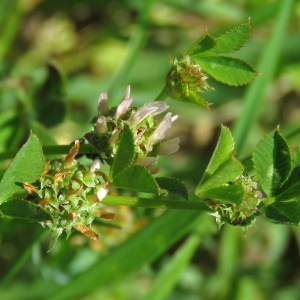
<point>244,214</point>
<point>184,77</point>
<point>147,132</point>
<point>71,193</point>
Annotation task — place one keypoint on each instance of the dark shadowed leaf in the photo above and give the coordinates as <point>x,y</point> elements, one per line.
<point>234,194</point>
<point>287,212</point>
<point>48,101</point>
<point>22,209</point>
<point>272,161</point>
<point>291,188</point>
<point>172,185</point>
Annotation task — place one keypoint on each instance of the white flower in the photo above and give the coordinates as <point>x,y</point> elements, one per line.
<point>122,108</point>
<point>95,166</point>
<point>146,161</point>
<point>138,136</point>
<point>102,103</point>
<point>153,108</point>
<point>101,126</point>
<point>162,129</point>
<point>127,93</point>
<point>154,169</point>
<point>114,137</point>
<point>102,193</point>
<point>169,147</point>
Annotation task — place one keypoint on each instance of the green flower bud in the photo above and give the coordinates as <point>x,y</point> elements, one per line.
<point>244,214</point>
<point>66,192</point>
<point>186,80</point>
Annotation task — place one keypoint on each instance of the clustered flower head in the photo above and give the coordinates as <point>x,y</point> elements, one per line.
<point>244,214</point>
<point>147,132</point>
<point>185,79</point>
<point>71,193</point>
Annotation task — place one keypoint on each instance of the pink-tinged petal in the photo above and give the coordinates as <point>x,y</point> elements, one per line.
<point>127,93</point>
<point>95,166</point>
<point>160,106</point>
<point>101,126</point>
<point>114,137</point>
<point>154,169</point>
<point>146,161</point>
<point>259,194</point>
<point>138,136</point>
<point>161,130</point>
<point>151,108</point>
<point>169,147</point>
<point>140,115</point>
<point>122,108</point>
<point>103,103</point>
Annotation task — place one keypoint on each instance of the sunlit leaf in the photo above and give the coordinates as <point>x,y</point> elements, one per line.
<point>125,154</point>
<point>205,43</point>
<point>136,178</point>
<point>231,71</point>
<point>223,151</point>
<point>223,166</point>
<point>27,166</point>
<point>231,40</point>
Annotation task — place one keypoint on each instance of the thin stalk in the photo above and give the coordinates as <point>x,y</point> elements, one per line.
<point>163,95</point>
<point>155,203</point>
<point>255,94</point>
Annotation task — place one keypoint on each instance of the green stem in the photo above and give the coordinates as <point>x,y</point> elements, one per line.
<point>255,93</point>
<point>163,95</point>
<point>154,203</point>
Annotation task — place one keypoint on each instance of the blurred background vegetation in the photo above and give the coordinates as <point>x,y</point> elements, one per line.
<point>57,56</point>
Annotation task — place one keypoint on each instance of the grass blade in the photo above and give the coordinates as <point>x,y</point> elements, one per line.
<point>155,238</point>
<point>267,66</point>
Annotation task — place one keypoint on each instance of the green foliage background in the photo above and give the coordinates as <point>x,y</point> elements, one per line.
<point>55,59</point>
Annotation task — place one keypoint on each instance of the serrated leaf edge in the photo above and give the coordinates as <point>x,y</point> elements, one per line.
<point>230,30</point>
<point>233,58</point>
